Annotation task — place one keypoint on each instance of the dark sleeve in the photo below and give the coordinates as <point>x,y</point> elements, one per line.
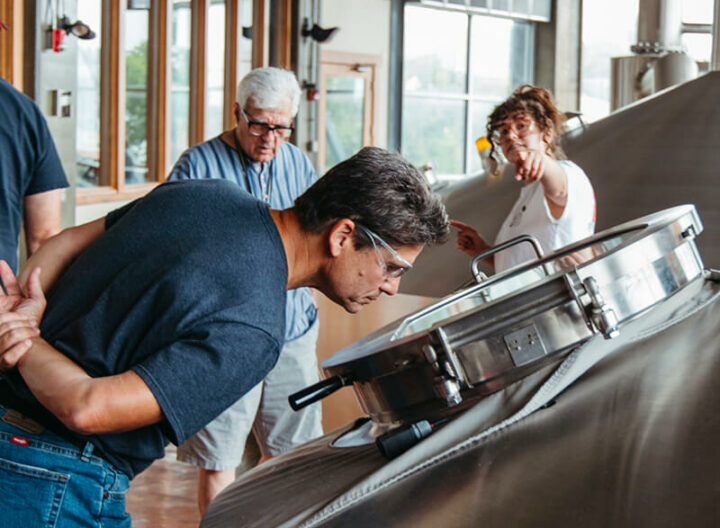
<point>48,173</point>
<point>116,214</point>
<point>197,377</point>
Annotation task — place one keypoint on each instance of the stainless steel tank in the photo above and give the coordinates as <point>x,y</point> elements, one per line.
<point>614,424</point>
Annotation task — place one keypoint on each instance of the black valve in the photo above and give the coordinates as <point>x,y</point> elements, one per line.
<point>316,392</point>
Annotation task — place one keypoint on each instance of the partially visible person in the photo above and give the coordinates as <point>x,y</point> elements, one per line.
<point>556,203</point>
<point>255,156</point>
<point>166,312</point>
<point>31,175</point>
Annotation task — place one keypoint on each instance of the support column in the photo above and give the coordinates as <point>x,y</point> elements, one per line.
<point>558,53</point>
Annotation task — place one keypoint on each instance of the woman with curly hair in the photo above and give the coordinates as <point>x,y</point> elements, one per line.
<point>557,203</point>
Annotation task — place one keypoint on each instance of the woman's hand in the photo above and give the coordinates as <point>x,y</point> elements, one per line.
<point>468,240</point>
<point>530,165</point>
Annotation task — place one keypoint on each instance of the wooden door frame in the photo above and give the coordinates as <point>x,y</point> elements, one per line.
<point>341,62</point>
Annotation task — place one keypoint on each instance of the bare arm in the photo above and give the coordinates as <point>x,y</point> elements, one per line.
<point>42,218</point>
<point>84,404</point>
<point>58,252</point>
<point>534,165</point>
<point>469,241</point>
<point>87,405</point>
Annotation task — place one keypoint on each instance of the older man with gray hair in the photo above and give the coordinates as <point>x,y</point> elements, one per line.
<point>255,155</point>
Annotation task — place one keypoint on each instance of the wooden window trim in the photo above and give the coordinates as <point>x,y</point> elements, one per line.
<point>232,43</point>
<point>258,34</point>
<point>11,43</point>
<point>281,34</point>
<point>158,88</point>
<point>198,47</point>
<point>340,61</point>
<point>112,112</point>
<point>113,98</point>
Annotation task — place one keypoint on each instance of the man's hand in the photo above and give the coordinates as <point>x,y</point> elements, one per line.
<point>13,300</point>
<point>19,315</point>
<point>16,332</point>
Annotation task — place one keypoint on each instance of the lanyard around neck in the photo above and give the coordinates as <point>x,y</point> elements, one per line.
<point>265,187</point>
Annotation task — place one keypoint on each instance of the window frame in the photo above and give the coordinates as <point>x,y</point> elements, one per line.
<point>112,89</point>
<point>468,97</point>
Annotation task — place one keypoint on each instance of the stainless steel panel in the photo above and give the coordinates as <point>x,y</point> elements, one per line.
<point>442,358</point>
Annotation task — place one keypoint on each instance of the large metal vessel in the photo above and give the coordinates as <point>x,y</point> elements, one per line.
<point>442,358</point>
<point>574,391</point>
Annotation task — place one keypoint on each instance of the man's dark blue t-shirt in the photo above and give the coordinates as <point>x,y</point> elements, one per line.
<point>29,163</point>
<point>190,297</point>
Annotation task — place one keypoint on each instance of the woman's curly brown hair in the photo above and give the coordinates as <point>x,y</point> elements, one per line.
<point>538,103</point>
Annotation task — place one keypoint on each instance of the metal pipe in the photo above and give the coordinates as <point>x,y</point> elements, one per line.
<point>715,57</point>
<point>659,23</point>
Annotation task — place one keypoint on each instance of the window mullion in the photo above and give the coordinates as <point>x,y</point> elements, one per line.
<point>197,71</point>
<point>232,37</point>
<point>258,34</point>
<point>468,91</point>
<point>112,95</point>
<point>157,83</point>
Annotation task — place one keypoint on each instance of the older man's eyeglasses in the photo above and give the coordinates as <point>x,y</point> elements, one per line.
<point>391,270</point>
<point>258,128</point>
<point>520,125</point>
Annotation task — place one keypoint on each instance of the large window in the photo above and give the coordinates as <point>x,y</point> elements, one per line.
<point>180,41</point>
<point>88,92</point>
<point>456,67</point>
<point>137,29</point>
<point>215,69</point>
<point>696,36</point>
<point>609,28</point>
<point>159,77</point>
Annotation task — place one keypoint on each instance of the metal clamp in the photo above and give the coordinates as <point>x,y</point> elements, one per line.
<point>603,317</point>
<point>445,383</point>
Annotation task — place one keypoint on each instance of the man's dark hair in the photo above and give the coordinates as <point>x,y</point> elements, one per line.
<point>381,191</point>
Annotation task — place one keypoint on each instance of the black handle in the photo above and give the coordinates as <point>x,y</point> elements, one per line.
<point>315,392</point>
<point>397,441</point>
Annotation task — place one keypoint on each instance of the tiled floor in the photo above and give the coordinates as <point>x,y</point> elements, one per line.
<point>163,496</point>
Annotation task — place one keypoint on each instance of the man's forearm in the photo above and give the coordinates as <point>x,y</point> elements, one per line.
<point>58,252</point>
<point>84,404</point>
<point>42,216</point>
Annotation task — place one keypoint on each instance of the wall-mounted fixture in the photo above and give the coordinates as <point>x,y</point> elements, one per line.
<point>317,33</point>
<point>78,28</point>
<point>58,26</point>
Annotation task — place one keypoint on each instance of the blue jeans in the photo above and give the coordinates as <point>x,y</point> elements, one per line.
<point>46,481</point>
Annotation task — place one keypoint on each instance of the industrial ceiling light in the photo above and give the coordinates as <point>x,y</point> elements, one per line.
<point>317,33</point>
